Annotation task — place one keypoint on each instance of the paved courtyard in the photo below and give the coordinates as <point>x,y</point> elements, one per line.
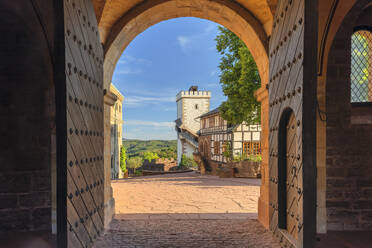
<point>186,210</point>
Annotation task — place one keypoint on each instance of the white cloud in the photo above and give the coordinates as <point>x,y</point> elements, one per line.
<point>184,41</point>
<point>212,85</point>
<point>136,89</point>
<point>123,67</point>
<point>170,109</point>
<point>132,59</point>
<point>213,73</point>
<point>128,70</point>
<point>149,123</point>
<point>187,42</point>
<point>149,130</point>
<point>211,27</point>
<point>141,100</point>
<point>128,59</point>
<point>122,62</point>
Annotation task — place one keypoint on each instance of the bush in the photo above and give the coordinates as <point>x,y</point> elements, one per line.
<point>123,158</point>
<point>138,173</point>
<point>188,162</point>
<point>134,162</point>
<point>227,151</point>
<point>241,157</point>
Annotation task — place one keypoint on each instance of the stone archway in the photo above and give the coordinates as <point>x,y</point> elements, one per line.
<point>252,20</point>
<point>227,13</point>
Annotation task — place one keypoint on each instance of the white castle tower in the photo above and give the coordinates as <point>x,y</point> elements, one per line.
<point>190,105</point>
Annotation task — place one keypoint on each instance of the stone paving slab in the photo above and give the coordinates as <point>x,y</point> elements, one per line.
<point>186,210</point>
<point>187,216</point>
<point>186,233</point>
<point>186,193</point>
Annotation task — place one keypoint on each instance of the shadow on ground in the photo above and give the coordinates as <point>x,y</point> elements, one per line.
<point>193,179</point>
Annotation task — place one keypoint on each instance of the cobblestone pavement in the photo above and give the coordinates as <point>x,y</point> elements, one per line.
<point>186,233</point>
<point>186,210</point>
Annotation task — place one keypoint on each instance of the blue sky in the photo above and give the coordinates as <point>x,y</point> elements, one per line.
<point>163,60</point>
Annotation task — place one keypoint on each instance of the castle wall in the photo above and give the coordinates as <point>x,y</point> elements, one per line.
<point>193,108</point>
<point>179,150</point>
<point>179,109</point>
<point>188,149</point>
<point>190,105</point>
<point>27,114</point>
<point>348,144</point>
<point>116,133</point>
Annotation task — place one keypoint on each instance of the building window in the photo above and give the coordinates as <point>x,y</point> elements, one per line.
<point>226,148</point>
<point>361,65</point>
<point>252,148</point>
<point>196,106</point>
<point>246,147</point>
<point>205,149</point>
<point>216,148</point>
<point>211,121</point>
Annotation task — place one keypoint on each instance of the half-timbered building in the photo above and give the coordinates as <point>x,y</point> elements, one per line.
<point>220,141</point>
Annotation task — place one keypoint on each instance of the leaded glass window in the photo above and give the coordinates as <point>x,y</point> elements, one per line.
<point>361,66</point>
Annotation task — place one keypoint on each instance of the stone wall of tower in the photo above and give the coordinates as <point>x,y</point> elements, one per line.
<point>193,108</point>
<point>190,105</point>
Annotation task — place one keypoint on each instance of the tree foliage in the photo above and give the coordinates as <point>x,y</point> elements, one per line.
<point>187,162</point>
<point>239,79</point>
<point>149,156</point>
<point>123,158</point>
<point>134,162</point>
<point>164,148</point>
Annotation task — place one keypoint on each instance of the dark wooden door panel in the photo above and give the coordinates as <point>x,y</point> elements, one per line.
<point>292,181</point>
<point>292,90</point>
<point>84,113</point>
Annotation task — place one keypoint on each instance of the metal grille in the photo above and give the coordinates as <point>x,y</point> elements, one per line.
<point>361,66</point>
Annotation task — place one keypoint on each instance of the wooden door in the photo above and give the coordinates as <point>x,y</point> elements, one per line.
<point>84,113</point>
<point>292,97</point>
<point>292,214</point>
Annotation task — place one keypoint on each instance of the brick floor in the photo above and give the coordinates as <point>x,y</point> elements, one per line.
<point>186,210</point>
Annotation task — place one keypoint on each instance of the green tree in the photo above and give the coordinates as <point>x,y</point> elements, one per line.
<point>187,162</point>
<point>123,158</point>
<point>227,151</point>
<point>167,153</point>
<point>150,156</point>
<point>239,79</point>
<point>134,162</point>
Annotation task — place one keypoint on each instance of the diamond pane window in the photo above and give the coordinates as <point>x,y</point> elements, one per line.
<point>361,66</point>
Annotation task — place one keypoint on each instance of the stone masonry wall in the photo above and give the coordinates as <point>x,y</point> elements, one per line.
<point>349,152</point>
<point>161,164</point>
<point>27,116</point>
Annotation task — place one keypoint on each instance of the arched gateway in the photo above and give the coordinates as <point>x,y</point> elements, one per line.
<point>119,22</point>
<point>59,61</point>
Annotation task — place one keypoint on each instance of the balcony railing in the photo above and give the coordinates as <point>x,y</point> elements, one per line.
<point>213,129</point>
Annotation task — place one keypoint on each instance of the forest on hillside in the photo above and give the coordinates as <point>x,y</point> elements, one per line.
<point>163,148</point>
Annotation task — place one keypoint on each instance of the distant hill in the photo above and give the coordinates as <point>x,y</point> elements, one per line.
<point>164,148</point>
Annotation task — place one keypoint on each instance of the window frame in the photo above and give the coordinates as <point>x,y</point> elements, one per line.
<point>216,148</point>
<point>356,29</point>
